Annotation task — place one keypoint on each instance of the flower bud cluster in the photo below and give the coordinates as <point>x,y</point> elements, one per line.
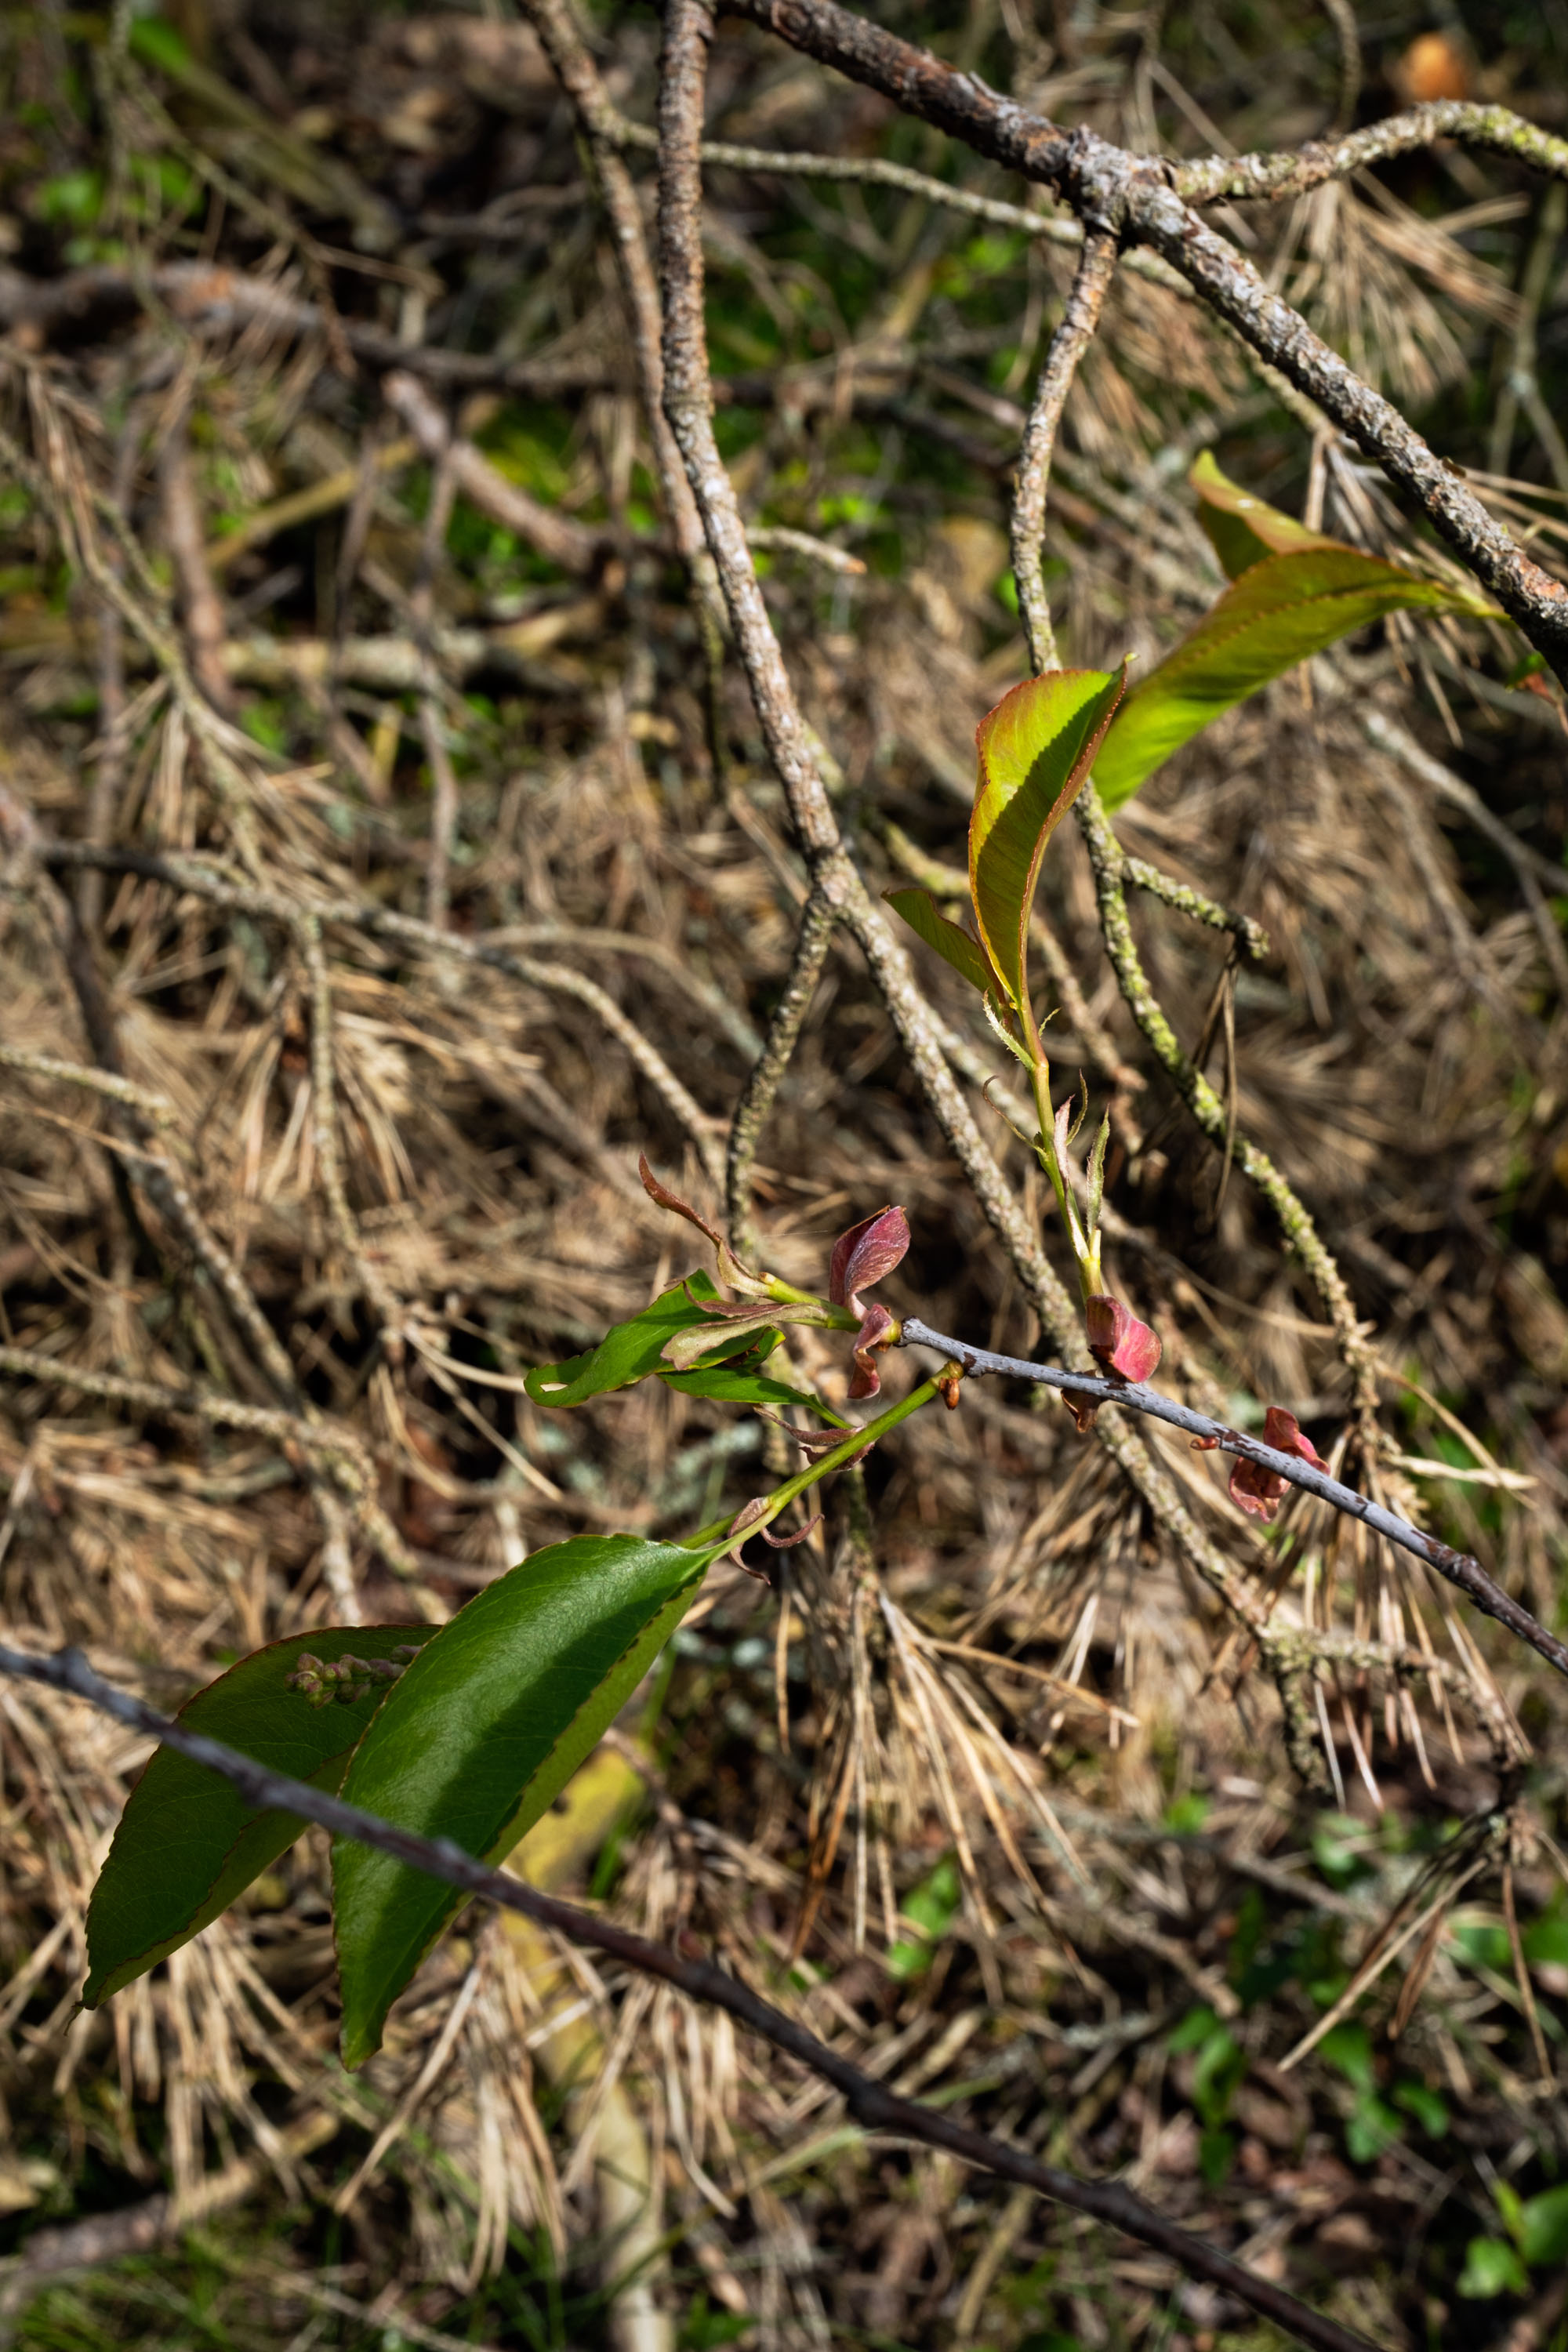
<point>346,1679</point>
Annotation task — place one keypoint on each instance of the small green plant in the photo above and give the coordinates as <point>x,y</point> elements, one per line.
<point>468,1731</point>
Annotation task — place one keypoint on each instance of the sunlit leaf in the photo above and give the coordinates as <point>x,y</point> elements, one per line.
<point>966,956</point>
<point>1277,612</point>
<point>187,1842</point>
<point>1035,750</point>
<point>1244,529</point>
<point>484,1730</point>
<point>1491,2267</point>
<point>634,1349</point>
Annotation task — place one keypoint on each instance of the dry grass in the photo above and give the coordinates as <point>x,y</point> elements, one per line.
<point>987,1656</point>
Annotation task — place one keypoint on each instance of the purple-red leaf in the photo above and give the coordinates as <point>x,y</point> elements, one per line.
<point>1260,1492</point>
<point>864,1254</point>
<point>1118,1340</point>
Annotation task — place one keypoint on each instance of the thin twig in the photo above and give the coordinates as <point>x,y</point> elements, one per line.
<point>874,2106</point>
<point>384,922</point>
<point>758,1095</point>
<point>1458,1567</point>
<point>1108,860</point>
<point>1075,332</point>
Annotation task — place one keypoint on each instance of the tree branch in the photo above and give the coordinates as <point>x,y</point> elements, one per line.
<point>1458,1567</point>
<point>1139,202</point>
<point>873,2107</point>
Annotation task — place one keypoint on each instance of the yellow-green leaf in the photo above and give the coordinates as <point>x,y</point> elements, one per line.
<point>1035,750</point>
<point>966,956</point>
<point>1244,529</point>
<point>1281,611</point>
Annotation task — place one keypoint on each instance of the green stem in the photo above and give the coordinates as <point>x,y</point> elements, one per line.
<point>855,1443</point>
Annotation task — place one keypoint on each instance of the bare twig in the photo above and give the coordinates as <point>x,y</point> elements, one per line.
<point>1458,1567</point>
<point>1075,332</point>
<point>761,1089</point>
<point>870,2102</point>
<point>384,922</point>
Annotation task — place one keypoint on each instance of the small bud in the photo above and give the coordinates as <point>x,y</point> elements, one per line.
<point>1118,1341</point>
<point>878,1329</point>
<point>864,1254</point>
<point>1260,1492</point>
<point>950,1386</point>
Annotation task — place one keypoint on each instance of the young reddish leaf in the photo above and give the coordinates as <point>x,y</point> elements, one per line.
<point>1243,530</point>
<point>877,1330</point>
<point>1260,1492</point>
<point>966,956</point>
<point>1035,751</point>
<point>739,1277</point>
<point>714,1341</point>
<point>1282,610</point>
<point>864,1254</point>
<point>1118,1340</point>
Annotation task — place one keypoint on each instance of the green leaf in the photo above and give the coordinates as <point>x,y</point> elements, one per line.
<point>1546,1941</point>
<point>1491,2267</point>
<point>743,1381</point>
<point>931,1906</point>
<point>187,1842</point>
<point>1543,2231</point>
<point>1035,751</point>
<point>1243,530</point>
<point>1348,2049</point>
<point>1430,2111</point>
<point>1369,2128</point>
<point>482,1733</point>
<point>154,42</point>
<point>966,956</point>
<point>1277,614</point>
<point>633,1350</point>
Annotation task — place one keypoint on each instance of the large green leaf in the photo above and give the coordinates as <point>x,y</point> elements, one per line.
<point>635,1349</point>
<point>187,1842</point>
<point>1278,612</point>
<point>1245,529</point>
<point>484,1730</point>
<point>1035,750</point>
<point>966,956</point>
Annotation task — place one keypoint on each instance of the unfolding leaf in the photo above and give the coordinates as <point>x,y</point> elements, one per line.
<point>482,1733</point>
<point>741,1380</point>
<point>689,1347</point>
<point>1278,612</point>
<point>634,1349</point>
<point>1243,530</point>
<point>187,1843</point>
<point>966,956</point>
<point>1035,750</point>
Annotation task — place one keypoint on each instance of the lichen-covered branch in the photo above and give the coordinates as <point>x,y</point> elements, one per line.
<point>1140,201</point>
<point>817,920</point>
<point>1075,331</point>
